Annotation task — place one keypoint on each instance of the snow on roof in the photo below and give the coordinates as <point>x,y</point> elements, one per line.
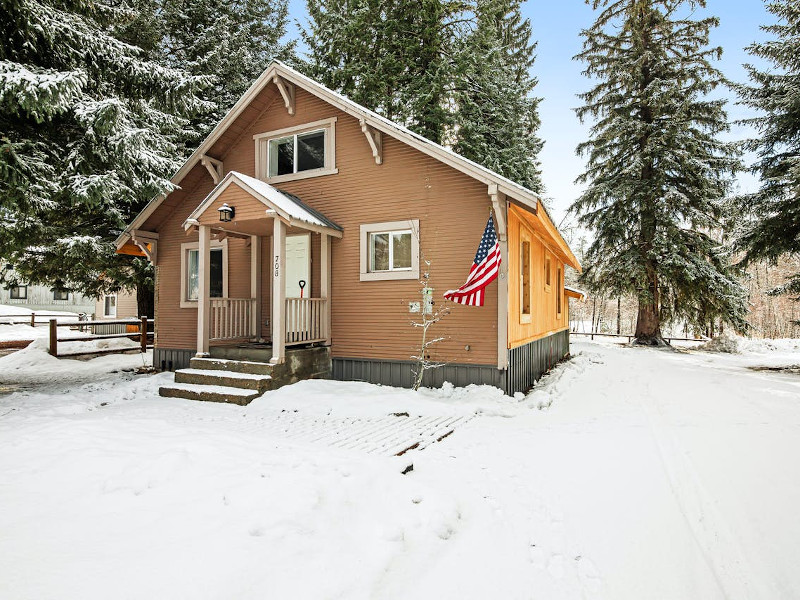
<point>576,291</point>
<point>279,69</point>
<point>288,206</point>
<point>286,202</point>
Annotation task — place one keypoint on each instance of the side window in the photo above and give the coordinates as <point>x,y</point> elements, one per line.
<point>19,292</point>
<point>559,292</point>
<point>525,288</point>
<point>390,250</point>
<point>60,294</point>
<point>110,306</point>
<point>190,272</point>
<point>547,271</point>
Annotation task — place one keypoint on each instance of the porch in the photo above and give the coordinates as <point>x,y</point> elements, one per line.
<point>284,306</point>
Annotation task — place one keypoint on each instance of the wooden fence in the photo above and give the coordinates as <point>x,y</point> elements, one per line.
<point>630,336</point>
<point>141,332</point>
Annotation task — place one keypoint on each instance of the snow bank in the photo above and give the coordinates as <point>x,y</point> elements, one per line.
<point>34,365</point>
<point>734,344</point>
<point>354,398</point>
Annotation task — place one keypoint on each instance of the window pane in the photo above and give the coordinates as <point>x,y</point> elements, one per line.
<point>525,266</point>
<point>60,295</point>
<point>281,156</point>
<point>311,151</point>
<point>401,249</point>
<point>379,251</point>
<point>110,306</point>
<point>216,273</point>
<point>192,275</point>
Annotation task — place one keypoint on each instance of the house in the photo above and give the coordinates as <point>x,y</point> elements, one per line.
<point>293,247</point>
<point>46,298</point>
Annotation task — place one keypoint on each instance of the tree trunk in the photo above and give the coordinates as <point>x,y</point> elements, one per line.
<point>619,315</point>
<point>648,322</point>
<point>145,301</point>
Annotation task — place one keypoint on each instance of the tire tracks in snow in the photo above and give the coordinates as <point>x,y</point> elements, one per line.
<point>720,550</point>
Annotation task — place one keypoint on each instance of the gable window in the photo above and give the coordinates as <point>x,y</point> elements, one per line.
<point>19,292</point>
<point>390,250</point>
<point>59,294</point>
<point>190,272</point>
<point>110,305</point>
<point>296,152</point>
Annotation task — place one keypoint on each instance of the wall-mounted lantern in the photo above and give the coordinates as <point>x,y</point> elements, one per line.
<point>226,213</point>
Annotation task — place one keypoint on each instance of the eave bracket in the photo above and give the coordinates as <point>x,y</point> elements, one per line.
<point>287,92</point>
<point>499,211</point>
<point>213,166</point>
<point>375,140</point>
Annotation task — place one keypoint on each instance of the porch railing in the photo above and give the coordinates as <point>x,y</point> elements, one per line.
<point>233,318</point>
<point>305,320</point>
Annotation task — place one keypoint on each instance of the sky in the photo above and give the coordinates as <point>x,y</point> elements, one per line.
<point>556,29</point>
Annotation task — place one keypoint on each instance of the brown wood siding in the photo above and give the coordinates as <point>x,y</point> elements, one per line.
<point>369,319</point>
<point>544,318</point>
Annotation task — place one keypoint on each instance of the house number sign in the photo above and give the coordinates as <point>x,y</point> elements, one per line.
<point>277,265</point>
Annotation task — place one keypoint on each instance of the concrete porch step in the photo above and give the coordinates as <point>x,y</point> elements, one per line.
<point>246,381</point>
<point>235,366</point>
<point>209,393</point>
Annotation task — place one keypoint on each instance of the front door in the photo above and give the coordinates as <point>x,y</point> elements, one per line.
<point>298,265</point>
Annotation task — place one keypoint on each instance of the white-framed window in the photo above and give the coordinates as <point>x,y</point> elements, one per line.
<point>59,294</point>
<point>299,152</point>
<point>110,305</point>
<point>390,250</point>
<point>190,272</point>
<point>19,292</point>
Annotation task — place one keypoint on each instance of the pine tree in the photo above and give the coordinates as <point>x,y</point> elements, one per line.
<point>86,138</point>
<point>229,42</point>
<point>657,171</point>
<point>771,226</point>
<point>497,118</point>
<point>388,55</point>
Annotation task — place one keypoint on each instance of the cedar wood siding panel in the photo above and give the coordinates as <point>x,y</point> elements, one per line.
<point>544,317</point>
<point>369,319</point>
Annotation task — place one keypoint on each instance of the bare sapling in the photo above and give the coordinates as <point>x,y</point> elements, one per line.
<point>430,314</point>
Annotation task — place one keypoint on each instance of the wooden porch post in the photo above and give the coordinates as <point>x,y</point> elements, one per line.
<point>203,290</point>
<point>278,291</point>
<point>325,285</point>
<point>255,286</point>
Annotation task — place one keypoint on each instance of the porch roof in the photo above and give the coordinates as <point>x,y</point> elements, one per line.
<point>286,206</point>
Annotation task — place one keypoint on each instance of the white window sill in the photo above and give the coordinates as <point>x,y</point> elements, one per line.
<point>390,275</point>
<point>301,175</point>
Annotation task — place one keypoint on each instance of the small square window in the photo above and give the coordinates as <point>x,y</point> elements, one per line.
<point>60,294</point>
<point>19,292</point>
<point>390,250</point>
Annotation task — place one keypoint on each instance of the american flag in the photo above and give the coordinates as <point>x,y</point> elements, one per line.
<point>483,272</point>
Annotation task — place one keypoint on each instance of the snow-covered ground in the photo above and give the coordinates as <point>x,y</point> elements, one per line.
<point>628,473</point>
<point>15,322</point>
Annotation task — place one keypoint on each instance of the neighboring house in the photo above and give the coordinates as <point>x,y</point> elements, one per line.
<point>46,298</point>
<point>110,307</point>
<point>121,305</point>
<point>298,183</point>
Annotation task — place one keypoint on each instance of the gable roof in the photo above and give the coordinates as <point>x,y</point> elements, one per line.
<point>287,206</point>
<point>371,118</point>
